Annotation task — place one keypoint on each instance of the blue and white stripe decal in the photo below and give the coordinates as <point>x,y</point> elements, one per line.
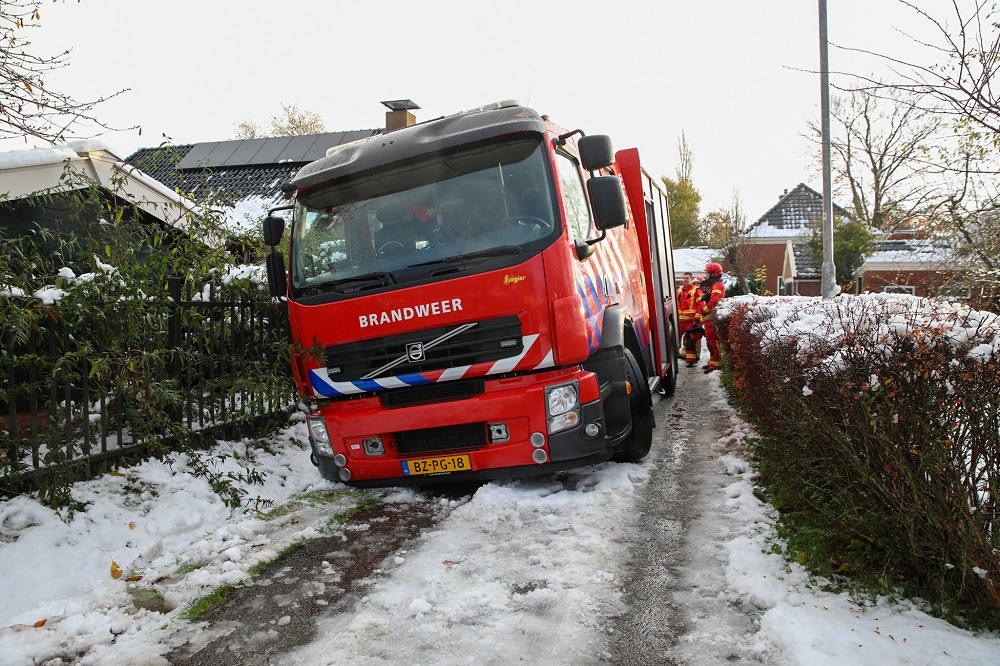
<point>324,387</point>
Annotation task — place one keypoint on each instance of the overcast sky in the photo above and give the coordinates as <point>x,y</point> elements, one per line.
<point>738,77</point>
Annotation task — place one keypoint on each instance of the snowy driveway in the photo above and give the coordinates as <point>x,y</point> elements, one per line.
<point>595,566</point>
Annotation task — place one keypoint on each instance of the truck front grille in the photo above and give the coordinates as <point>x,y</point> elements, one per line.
<point>432,393</point>
<point>486,341</point>
<point>449,438</point>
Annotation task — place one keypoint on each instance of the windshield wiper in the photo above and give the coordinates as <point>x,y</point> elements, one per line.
<point>352,285</point>
<point>499,251</point>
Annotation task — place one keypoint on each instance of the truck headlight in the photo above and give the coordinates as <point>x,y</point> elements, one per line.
<point>563,406</point>
<point>318,432</point>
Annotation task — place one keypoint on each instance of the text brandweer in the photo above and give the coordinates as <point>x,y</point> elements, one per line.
<point>417,311</point>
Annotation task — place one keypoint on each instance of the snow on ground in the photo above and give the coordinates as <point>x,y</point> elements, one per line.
<point>527,570</point>
<point>524,571</point>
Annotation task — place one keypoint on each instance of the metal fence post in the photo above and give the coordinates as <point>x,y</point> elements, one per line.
<point>174,335</point>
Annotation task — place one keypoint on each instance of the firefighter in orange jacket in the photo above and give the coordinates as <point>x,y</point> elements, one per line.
<point>687,302</point>
<point>713,291</point>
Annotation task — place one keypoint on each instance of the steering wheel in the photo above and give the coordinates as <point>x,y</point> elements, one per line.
<point>391,249</point>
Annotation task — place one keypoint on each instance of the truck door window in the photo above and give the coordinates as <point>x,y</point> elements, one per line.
<point>574,197</point>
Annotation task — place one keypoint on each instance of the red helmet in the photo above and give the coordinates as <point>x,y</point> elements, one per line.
<point>713,269</point>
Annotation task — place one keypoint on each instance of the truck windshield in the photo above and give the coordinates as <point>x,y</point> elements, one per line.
<point>463,207</point>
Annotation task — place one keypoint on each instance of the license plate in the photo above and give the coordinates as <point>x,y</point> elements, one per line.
<point>445,465</point>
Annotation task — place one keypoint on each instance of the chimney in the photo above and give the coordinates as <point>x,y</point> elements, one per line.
<point>398,116</point>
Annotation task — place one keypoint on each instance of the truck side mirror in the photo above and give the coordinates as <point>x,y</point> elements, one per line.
<point>596,152</point>
<point>608,201</point>
<point>274,228</point>
<point>277,280</point>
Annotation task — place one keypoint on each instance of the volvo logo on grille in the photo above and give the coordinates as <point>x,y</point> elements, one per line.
<point>415,351</point>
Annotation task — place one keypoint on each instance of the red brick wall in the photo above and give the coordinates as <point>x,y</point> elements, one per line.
<point>809,288</point>
<point>924,283</point>
<point>770,256</point>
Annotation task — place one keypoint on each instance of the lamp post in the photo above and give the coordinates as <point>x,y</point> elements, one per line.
<point>829,283</point>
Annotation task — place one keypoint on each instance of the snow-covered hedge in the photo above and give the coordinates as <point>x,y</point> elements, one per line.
<point>880,416</point>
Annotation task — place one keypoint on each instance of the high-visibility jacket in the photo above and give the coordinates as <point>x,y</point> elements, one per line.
<point>687,302</point>
<point>715,290</point>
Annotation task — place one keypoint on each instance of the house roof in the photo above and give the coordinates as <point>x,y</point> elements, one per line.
<point>910,254</point>
<point>242,176</point>
<point>805,267</point>
<point>792,215</point>
<point>24,173</point>
<point>692,259</point>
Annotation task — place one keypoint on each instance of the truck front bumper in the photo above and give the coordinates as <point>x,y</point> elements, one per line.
<point>516,403</point>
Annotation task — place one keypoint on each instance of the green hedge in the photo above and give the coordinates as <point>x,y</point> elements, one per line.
<point>879,435</point>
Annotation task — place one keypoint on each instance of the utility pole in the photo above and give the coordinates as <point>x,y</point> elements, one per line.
<point>829,283</point>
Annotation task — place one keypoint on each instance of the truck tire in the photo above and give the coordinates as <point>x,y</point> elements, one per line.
<point>639,441</point>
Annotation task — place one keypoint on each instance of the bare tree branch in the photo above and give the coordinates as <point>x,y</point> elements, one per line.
<point>880,148</point>
<point>28,106</point>
<point>961,85</point>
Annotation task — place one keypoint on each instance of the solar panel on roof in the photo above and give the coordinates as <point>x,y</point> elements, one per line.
<point>220,154</point>
<point>245,152</point>
<point>271,149</point>
<point>297,148</point>
<point>197,154</point>
<point>323,142</point>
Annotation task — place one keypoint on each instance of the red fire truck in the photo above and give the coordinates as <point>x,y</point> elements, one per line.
<point>481,296</point>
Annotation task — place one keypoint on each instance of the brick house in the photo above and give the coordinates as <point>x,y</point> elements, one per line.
<point>903,261</point>
<point>776,241</point>
<point>907,263</point>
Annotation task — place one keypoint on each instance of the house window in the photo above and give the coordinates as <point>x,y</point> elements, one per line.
<point>899,289</point>
<point>781,286</point>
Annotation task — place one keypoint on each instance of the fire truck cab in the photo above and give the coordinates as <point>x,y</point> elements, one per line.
<point>480,296</point>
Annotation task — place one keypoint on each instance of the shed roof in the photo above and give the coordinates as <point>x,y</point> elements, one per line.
<point>693,259</point>
<point>910,254</point>
<point>24,173</point>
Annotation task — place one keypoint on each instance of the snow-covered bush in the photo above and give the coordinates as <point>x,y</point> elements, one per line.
<point>879,417</point>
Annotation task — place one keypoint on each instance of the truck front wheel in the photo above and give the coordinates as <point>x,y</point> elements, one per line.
<point>640,440</point>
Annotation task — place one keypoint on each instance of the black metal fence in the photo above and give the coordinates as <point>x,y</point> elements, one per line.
<point>81,391</point>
